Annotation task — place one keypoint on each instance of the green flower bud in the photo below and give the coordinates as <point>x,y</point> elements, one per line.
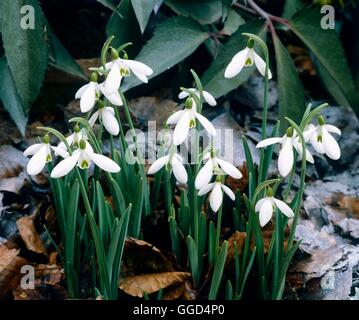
<point>250,43</point>
<point>321,120</point>
<point>269,192</point>
<point>82,144</point>
<point>100,104</point>
<point>188,103</point>
<point>114,54</point>
<point>94,77</point>
<point>290,132</point>
<point>46,138</point>
<point>218,178</point>
<point>125,55</point>
<point>76,129</point>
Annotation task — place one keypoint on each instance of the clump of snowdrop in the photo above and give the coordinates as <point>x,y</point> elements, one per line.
<point>41,154</point>
<point>215,165</point>
<point>186,119</point>
<point>288,142</point>
<point>216,196</point>
<point>267,205</point>
<point>322,141</point>
<point>246,58</point>
<point>106,115</point>
<point>83,157</point>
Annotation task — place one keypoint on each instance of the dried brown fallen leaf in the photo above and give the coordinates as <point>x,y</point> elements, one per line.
<point>41,292</point>
<point>10,266</point>
<point>239,184</point>
<point>49,274</point>
<point>239,238</point>
<point>174,293</point>
<point>137,285</point>
<point>30,236</point>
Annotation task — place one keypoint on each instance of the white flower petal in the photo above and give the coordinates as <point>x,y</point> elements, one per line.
<point>32,149</point>
<point>204,175</point>
<point>66,165</point>
<point>330,145</point>
<point>158,164</point>
<point>261,65</point>
<point>268,142</point>
<point>104,163</point>
<point>38,161</point>
<point>113,97</point>
<point>179,171</point>
<point>59,151</point>
<point>113,80</point>
<point>184,94</point>
<point>138,67</point>
<point>205,189</point>
<point>88,98</point>
<point>318,146</point>
<point>209,98</point>
<point>228,192</point>
<point>181,130</point>
<point>286,158</point>
<point>333,129</point>
<point>309,132</point>
<point>110,122</point>
<point>93,118</point>
<point>259,203</point>
<point>174,118</point>
<point>81,91</point>
<point>229,169</point>
<point>236,65</point>
<point>265,212</point>
<point>216,197</point>
<point>206,124</point>
<point>283,207</point>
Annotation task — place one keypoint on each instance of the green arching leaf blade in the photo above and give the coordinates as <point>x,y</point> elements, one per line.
<point>326,46</point>
<point>291,7</point>
<point>163,50</point>
<point>110,5</point>
<point>203,11</point>
<point>290,89</point>
<point>26,50</point>
<point>10,98</point>
<point>213,79</point>
<point>233,22</point>
<point>143,10</point>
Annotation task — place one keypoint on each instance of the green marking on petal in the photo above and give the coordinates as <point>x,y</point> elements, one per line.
<point>48,158</point>
<point>248,62</point>
<point>84,164</point>
<point>192,123</point>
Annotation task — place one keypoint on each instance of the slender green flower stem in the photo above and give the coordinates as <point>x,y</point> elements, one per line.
<point>218,231</point>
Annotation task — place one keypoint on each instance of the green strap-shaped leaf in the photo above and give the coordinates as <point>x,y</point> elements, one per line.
<point>143,10</point>
<point>110,5</point>
<point>326,46</point>
<point>291,7</point>
<point>10,98</point>
<point>203,11</point>
<point>290,89</point>
<point>26,49</point>
<point>213,79</point>
<point>167,47</point>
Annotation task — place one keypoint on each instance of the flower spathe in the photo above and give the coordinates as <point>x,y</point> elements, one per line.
<point>88,93</point>
<point>211,167</point>
<point>120,68</point>
<point>41,154</point>
<point>186,119</point>
<point>266,207</point>
<point>206,96</point>
<point>176,162</point>
<point>286,153</point>
<point>246,58</point>
<point>321,139</point>
<point>216,197</point>
<point>107,116</point>
<point>82,157</point>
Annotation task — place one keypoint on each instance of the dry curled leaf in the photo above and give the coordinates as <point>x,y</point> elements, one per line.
<point>137,285</point>
<point>10,266</point>
<point>30,236</point>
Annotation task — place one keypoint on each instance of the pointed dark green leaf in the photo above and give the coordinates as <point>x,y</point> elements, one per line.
<point>143,10</point>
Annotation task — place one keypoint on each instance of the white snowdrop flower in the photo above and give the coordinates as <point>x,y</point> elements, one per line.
<point>82,157</point>
<point>246,58</point>
<point>107,116</point>
<point>321,139</point>
<point>113,97</point>
<point>206,96</point>
<point>213,166</point>
<point>120,68</point>
<point>73,139</point>
<point>176,164</point>
<point>216,196</point>
<point>286,153</point>
<point>267,205</point>
<point>186,119</point>
<point>88,94</point>
<point>41,154</point>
